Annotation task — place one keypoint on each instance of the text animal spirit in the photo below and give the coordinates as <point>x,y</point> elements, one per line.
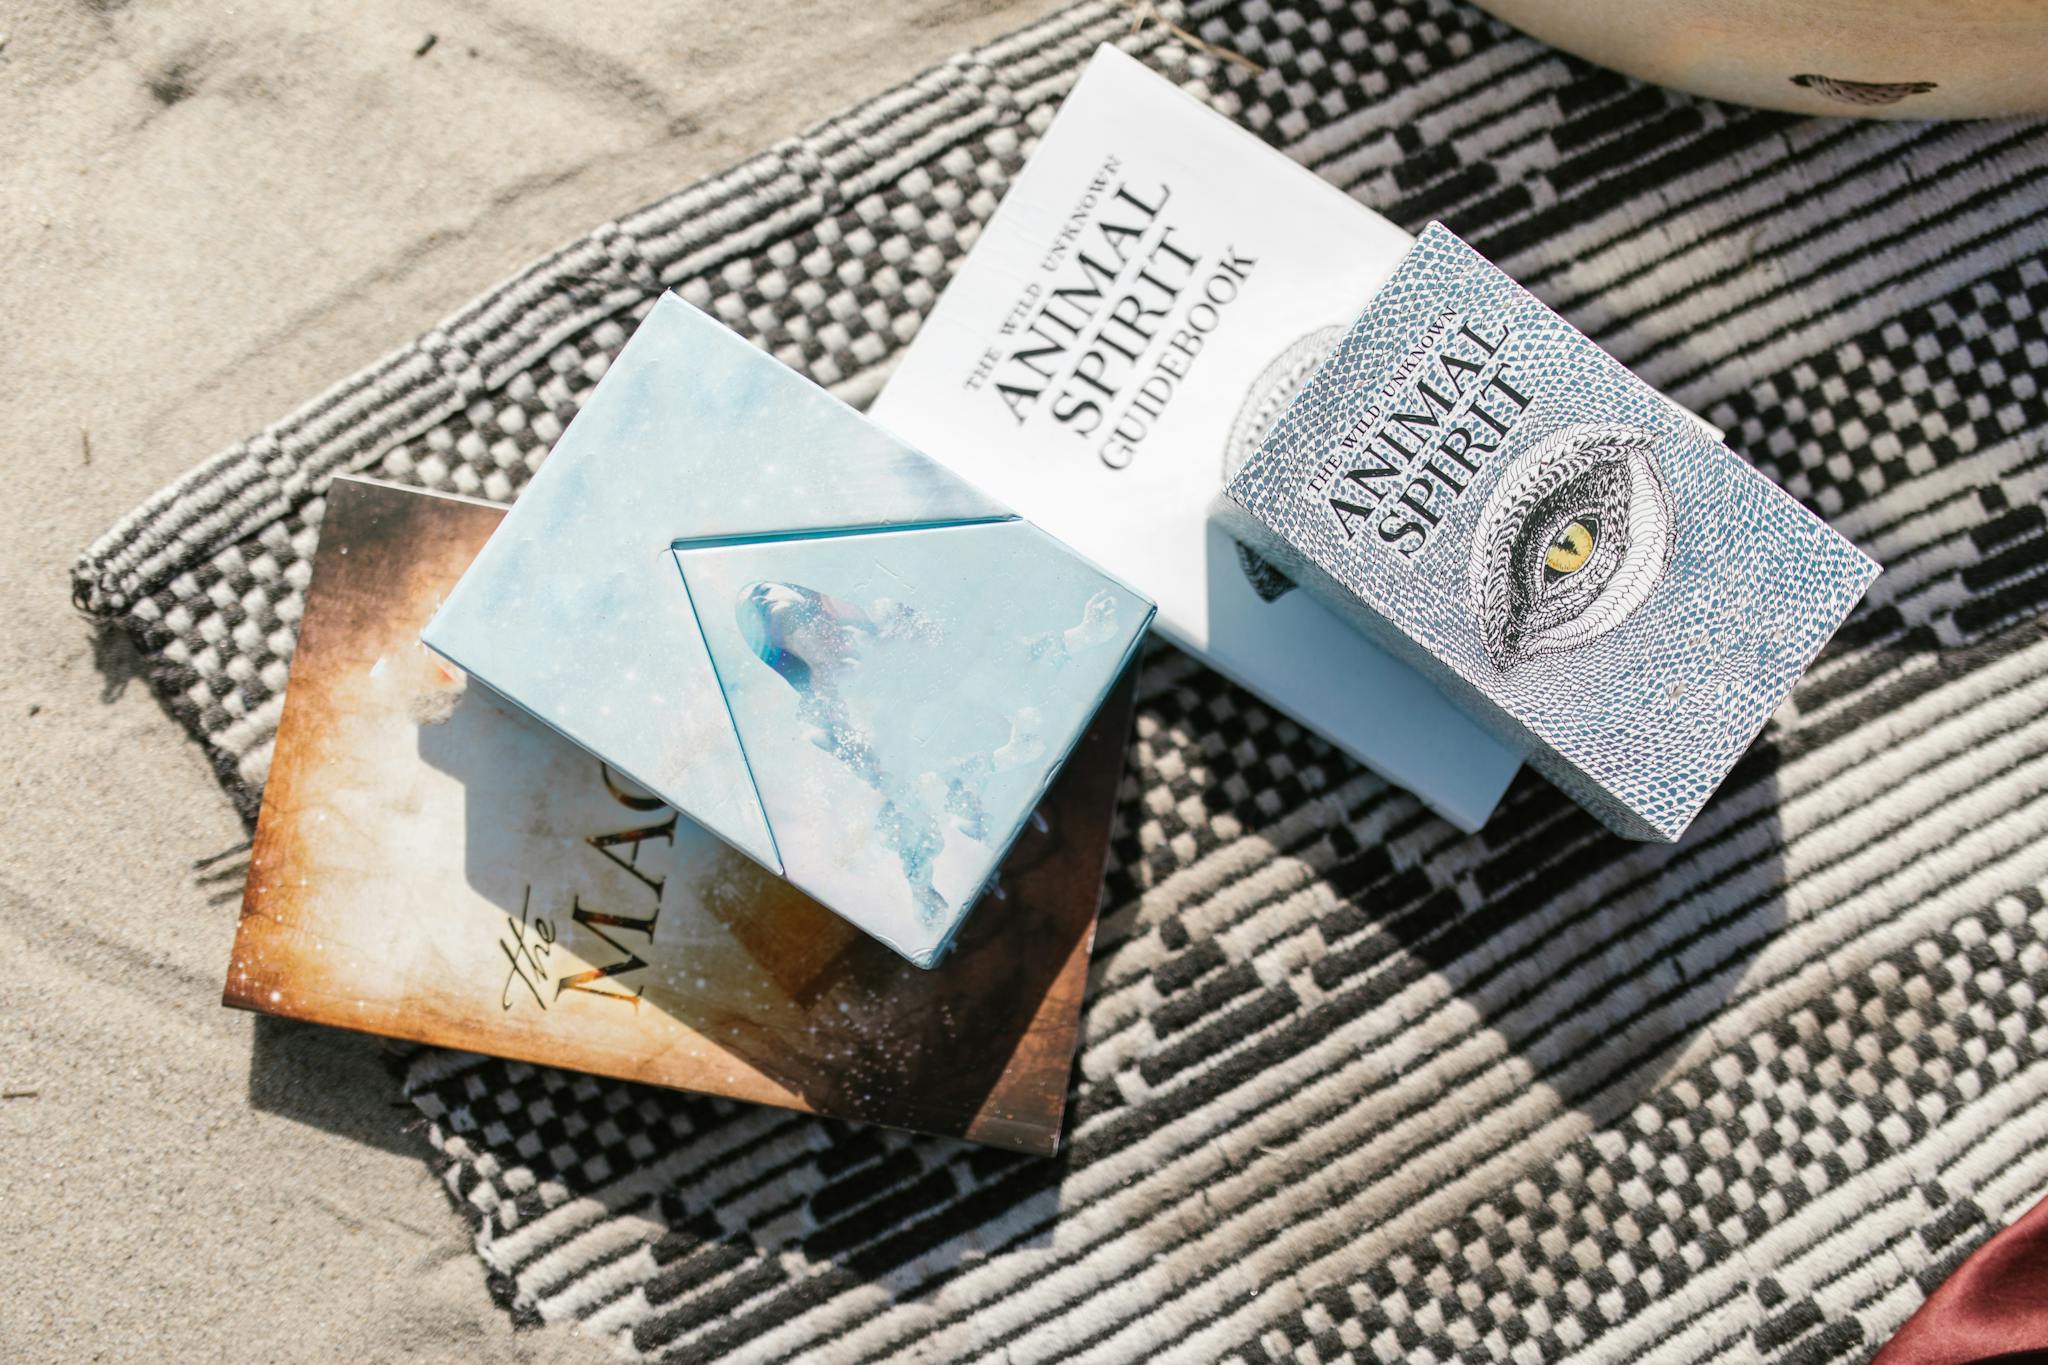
<point>1411,455</point>
<point>1104,344</point>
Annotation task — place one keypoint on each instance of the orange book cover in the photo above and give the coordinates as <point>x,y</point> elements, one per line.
<point>433,864</point>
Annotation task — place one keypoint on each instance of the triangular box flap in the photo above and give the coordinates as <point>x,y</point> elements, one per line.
<point>889,751</point>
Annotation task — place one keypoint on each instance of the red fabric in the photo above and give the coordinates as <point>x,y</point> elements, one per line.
<point>1993,1308</point>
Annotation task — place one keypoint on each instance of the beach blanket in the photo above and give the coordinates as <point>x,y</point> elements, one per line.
<point>1353,1086</point>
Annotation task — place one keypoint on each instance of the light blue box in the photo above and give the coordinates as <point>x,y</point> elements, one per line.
<point>1569,554</point>
<point>795,629</point>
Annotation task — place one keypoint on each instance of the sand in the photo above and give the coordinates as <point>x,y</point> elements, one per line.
<point>209,214</point>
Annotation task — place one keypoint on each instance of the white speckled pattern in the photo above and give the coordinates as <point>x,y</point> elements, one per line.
<point>1635,675</point>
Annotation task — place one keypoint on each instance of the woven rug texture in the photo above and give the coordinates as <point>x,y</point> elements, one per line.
<point>1353,1087</point>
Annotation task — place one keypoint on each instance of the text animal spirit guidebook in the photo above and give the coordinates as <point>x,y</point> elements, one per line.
<point>1150,294</point>
<point>434,864</point>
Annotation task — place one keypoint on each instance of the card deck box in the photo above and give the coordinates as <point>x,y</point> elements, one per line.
<point>1493,496</point>
<point>794,628</point>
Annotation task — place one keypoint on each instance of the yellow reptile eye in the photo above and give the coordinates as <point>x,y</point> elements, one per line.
<point>1571,549</point>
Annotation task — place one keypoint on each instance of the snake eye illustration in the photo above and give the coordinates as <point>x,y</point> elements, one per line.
<point>1573,539</point>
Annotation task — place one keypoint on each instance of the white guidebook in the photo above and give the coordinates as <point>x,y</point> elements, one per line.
<point>1148,297</point>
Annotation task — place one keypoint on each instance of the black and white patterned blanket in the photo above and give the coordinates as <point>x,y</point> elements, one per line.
<point>1353,1086</point>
